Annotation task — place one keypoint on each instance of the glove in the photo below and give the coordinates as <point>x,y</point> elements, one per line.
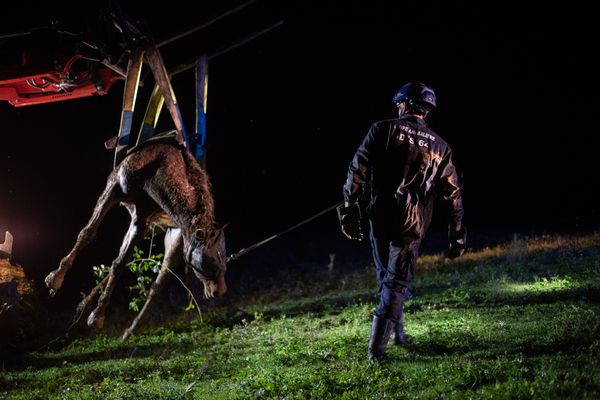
<point>350,217</point>
<point>458,242</point>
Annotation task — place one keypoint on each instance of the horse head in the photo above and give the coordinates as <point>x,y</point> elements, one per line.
<point>206,255</point>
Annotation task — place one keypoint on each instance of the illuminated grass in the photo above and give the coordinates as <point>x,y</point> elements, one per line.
<point>521,321</point>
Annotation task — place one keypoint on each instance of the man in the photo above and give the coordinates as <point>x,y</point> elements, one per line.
<point>406,165</point>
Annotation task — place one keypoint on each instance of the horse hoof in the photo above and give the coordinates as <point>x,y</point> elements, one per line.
<point>94,321</point>
<point>54,282</point>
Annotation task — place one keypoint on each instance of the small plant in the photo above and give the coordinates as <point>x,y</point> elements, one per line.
<point>100,271</point>
<point>145,269</point>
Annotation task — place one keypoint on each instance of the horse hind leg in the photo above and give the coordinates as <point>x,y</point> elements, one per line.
<point>173,256</point>
<point>134,235</point>
<point>106,201</point>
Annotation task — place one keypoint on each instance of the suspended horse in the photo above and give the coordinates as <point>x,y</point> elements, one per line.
<point>159,182</point>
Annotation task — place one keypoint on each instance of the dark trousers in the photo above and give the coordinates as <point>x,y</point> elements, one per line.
<point>395,261</point>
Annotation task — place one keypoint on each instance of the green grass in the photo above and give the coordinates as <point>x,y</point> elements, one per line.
<point>518,321</point>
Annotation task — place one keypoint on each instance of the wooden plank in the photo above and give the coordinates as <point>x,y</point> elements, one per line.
<point>163,81</point>
<point>132,81</point>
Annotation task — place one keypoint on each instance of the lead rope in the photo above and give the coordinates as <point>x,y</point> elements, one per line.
<point>246,250</point>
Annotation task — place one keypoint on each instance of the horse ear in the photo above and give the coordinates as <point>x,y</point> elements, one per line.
<point>216,236</point>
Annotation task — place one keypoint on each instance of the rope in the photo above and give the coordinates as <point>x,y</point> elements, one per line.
<point>246,250</point>
<point>188,290</point>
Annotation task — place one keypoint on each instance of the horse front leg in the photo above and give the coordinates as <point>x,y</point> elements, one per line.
<point>107,199</point>
<point>134,235</point>
<point>173,256</point>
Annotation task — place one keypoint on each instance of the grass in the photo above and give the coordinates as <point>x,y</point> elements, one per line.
<point>517,321</point>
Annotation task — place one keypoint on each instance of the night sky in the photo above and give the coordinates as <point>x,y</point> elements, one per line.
<point>516,95</point>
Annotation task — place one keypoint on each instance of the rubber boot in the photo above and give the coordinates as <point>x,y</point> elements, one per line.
<point>381,329</point>
<point>399,335</point>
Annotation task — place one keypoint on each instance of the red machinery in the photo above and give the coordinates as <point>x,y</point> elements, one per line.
<point>49,64</point>
<point>34,86</point>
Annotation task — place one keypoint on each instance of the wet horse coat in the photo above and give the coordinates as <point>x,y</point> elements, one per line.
<point>157,179</point>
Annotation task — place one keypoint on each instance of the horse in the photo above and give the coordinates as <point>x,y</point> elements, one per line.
<point>160,183</point>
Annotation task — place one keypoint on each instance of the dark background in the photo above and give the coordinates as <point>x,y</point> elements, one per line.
<point>516,95</point>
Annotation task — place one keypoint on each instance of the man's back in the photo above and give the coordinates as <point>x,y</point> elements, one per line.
<point>410,157</point>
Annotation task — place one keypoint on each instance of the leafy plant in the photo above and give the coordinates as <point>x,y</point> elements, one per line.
<point>145,268</point>
<point>100,271</point>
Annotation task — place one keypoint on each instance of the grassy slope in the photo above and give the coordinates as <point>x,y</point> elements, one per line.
<point>516,321</point>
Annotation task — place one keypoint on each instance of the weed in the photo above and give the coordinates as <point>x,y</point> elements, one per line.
<point>144,268</point>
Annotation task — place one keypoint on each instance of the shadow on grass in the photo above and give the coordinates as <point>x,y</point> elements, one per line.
<point>433,347</point>
<point>127,350</point>
<point>330,305</point>
<point>501,297</point>
<point>471,347</point>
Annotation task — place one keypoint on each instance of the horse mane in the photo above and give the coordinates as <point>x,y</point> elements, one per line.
<point>198,178</point>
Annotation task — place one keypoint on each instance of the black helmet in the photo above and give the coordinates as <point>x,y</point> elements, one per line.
<point>416,93</point>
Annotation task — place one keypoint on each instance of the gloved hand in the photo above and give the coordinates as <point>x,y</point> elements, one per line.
<point>349,216</point>
<point>458,241</point>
